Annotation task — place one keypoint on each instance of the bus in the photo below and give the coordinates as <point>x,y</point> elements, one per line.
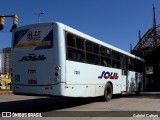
<point>55,59</point>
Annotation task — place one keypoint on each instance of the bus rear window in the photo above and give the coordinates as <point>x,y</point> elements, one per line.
<point>33,39</point>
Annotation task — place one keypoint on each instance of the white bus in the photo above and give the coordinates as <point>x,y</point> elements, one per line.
<point>55,59</point>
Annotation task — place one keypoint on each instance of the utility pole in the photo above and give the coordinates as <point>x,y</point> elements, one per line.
<point>139,35</point>
<point>39,14</point>
<point>154,29</point>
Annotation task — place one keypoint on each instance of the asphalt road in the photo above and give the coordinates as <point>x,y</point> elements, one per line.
<point>86,108</point>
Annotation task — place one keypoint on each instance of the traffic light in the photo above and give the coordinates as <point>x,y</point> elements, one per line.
<point>15,19</point>
<point>15,22</point>
<point>2,19</point>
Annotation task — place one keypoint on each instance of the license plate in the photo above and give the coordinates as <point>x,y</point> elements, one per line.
<point>32,81</point>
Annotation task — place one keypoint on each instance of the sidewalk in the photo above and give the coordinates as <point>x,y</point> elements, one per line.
<point>5,92</point>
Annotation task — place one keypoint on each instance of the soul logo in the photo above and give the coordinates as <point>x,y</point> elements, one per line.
<point>108,75</point>
<point>33,57</point>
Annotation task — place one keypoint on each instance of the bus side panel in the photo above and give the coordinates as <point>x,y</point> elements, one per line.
<point>92,78</point>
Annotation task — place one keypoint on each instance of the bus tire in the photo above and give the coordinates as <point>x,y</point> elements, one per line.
<point>139,89</point>
<point>108,92</point>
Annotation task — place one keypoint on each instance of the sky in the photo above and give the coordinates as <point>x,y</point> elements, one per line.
<point>115,22</point>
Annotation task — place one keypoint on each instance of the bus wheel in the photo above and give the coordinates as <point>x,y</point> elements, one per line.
<point>108,92</point>
<point>139,89</point>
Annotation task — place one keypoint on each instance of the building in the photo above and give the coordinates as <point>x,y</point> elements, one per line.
<point>6,61</point>
<point>148,48</point>
<point>0,62</point>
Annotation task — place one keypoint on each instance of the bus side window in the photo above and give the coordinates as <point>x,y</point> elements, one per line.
<point>115,63</point>
<point>71,54</point>
<point>80,43</point>
<point>105,61</point>
<point>105,56</point>
<point>108,53</point>
<point>70,40</point>
<point>96,48</point>
<point>92,58</point>
<point>115,55</point>
<point>92,53</point>
<point>89,46</point>
<point>80,49</point>
<point>80,56</point>
<point>102,51</point>
<point>115,59</point>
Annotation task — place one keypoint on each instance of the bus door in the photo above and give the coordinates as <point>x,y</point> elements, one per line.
<point>124,73</point>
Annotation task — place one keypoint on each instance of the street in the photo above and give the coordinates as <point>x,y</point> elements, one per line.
<point>82,107</point>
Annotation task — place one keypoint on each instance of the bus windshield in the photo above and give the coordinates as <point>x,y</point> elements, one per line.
<point>33,39</point>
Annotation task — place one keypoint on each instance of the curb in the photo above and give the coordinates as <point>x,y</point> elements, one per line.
<point>5,92</point>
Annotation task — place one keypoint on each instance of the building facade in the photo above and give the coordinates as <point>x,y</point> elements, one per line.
<point>6,61</point>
